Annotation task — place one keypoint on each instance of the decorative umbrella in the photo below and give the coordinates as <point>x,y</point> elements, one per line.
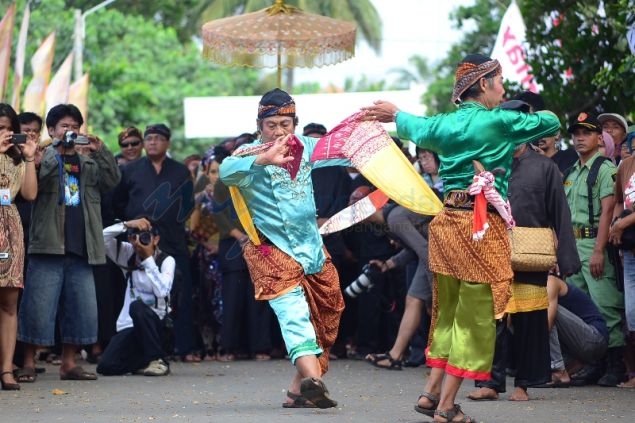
<point>279,36</point>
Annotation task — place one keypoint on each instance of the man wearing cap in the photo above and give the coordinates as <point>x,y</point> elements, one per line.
<point>597,276</point>
<point>289,266</point>
<point>472,279</point>
<point>617,127</point>
<point>161,187</point>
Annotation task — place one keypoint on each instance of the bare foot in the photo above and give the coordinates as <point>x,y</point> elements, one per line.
<point>483,394</point>
<point>519,394</point>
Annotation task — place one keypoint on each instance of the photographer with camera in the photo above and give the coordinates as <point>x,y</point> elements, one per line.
<point>410,230</point>
<point>138,345</point>
<point>65,241</point>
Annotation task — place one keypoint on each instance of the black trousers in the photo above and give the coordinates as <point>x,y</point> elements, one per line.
<point>246,321</point>
<point>134,348</point>
<point>110,288</point>
<point>530,350</point>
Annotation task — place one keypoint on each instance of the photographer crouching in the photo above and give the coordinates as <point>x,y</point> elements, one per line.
<point>138,345</point>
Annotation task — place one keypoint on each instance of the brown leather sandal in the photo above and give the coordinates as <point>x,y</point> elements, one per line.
<point>8,386</point>
<point>449,415</point>
<point>427,411</point>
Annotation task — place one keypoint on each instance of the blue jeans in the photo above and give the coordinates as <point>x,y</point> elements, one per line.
<point>53,280</point>
<point>629,289</point>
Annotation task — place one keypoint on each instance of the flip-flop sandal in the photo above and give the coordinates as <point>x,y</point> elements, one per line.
<point>25,375</point>
<point>315,391</point>
<point>427,411</point>
<point>78,373</point>
<point>298,401</point>
<point>375,360</point>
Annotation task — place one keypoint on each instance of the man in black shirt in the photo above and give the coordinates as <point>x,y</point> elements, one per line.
<point>538,200</point>
<point>65,241</point>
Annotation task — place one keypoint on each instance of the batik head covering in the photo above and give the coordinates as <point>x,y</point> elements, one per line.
<point>472,68</point>
<point>276,103</point>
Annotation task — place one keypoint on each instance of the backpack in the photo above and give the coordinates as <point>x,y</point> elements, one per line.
<point>591,178</point>
<point>173,301</point>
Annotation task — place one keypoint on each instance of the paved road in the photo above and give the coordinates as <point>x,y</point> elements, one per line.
<point>249,391</point>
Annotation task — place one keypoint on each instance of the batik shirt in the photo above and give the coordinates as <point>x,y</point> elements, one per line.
<point>282,209</point>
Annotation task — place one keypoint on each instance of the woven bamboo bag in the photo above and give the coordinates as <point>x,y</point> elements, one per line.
<point>533,249</point>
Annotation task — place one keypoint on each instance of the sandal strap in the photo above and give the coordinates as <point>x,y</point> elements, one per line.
<point>433,398</point>
<point>298,399</point>
<point>449,415</point>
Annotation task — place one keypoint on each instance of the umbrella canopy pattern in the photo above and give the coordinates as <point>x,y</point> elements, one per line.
<point>280,36</point>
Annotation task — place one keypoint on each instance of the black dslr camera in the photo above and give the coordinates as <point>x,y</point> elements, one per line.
<point>144,237</point>
<point>364,281</point>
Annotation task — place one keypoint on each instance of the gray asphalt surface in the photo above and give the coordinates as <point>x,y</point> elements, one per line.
<point>250,391</point>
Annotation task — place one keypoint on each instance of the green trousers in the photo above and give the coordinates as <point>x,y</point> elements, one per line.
<point>603,291</point>
<point>465,331</point>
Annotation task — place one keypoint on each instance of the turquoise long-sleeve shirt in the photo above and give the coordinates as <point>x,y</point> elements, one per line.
<point>281,208</point>
<point>474,132</point>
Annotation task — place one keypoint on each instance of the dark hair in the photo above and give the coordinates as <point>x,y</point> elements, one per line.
<point>130,131</point>
<point>533,99</point>
<point>28,117</point>
<point>244,138</point>
<point>61,111</point>
<point>435,155</point>
<point>475,89</point>
<point>191,158</point>
<point>314,128</point>
<point>7,111</point>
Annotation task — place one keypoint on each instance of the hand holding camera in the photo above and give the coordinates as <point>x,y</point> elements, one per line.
<point>365,281</point>
<point>140,235</point>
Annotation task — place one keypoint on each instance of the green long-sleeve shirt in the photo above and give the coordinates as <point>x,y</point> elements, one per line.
<point>474,132</point>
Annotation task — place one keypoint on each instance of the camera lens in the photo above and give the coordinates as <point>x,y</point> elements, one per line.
<point>145,238</point>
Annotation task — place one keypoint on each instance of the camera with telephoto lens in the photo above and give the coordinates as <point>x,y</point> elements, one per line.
<point>71,138</point>
<point>144,237</point>
<point>364,281</point>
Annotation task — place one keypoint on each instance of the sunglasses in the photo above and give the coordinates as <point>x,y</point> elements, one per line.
<point>130,144</point>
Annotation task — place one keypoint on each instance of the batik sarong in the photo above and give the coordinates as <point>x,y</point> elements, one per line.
<point>275,273</point>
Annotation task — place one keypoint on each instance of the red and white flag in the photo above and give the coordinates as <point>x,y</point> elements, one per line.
<point>20,55</point>
<point>6,31</point>
<point>41,63</point>
<point>509,49</point>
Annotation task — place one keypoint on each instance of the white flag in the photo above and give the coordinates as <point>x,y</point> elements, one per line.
<point>510,52</point>
<point>58,89</point>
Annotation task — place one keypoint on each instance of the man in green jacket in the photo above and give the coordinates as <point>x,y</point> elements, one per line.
<point>65,240</point>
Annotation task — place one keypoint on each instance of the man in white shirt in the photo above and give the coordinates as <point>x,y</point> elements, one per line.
<point>138,345</point>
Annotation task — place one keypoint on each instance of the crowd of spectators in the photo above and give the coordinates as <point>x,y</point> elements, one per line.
<point>74,303</point>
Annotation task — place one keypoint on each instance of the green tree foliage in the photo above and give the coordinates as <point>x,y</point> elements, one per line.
<point>589,44</point>
<point>139,70</point>
<point>574,36</point>
<point>182,15</point>
<point>484,19</point>
<point>144,74</point>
